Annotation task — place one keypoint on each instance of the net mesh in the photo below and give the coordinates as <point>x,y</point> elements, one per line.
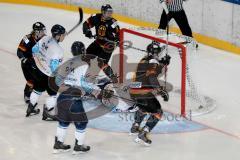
<point>193,102</point>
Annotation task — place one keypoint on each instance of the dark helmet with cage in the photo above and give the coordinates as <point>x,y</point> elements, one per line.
<point>38,26</point>
<point>58,30</point>
<point>107,11</point>
<point>39,29</point>
<point>154,48</point>
<point>78,48</point>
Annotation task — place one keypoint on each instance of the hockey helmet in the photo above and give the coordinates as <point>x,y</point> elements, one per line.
<point>57,30</point>
<point>106,8</point>
<point>154,48</point>
<point>38,26</point>
<point>107,11</point>
<point>78,48</point>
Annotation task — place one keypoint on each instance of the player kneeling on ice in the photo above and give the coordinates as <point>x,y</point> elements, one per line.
<point>48,55</point>
<point>72,79</point>
<point>148,70</point>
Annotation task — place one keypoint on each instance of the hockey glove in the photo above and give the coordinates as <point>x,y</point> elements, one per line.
<point>89,34</point>
<point>107,94</point>
<point>165,60</point>
<point>164,94</point>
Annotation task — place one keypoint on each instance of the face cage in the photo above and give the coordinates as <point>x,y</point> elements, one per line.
<point>38,32</point>
<point>108,14</point>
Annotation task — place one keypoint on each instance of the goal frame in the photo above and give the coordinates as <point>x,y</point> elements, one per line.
<point>181,48</point>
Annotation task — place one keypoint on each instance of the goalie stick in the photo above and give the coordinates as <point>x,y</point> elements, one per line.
<point>79,22</point>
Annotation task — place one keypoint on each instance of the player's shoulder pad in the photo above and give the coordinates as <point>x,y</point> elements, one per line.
<point>26,38</point>
<point>114,23</point>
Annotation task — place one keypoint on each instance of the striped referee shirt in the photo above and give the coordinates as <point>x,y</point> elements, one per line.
<point>174,5</point>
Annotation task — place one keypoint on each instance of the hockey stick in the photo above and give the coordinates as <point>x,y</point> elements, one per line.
<point>79,22</point>
<point>127,46</point>
<point>130,100</point>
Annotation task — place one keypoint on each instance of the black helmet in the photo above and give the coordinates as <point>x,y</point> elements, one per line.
<point>154,48</point>
<point>38,26</point>
<point>77,48</point>
<point>106,7</point>
<point>57,30</point>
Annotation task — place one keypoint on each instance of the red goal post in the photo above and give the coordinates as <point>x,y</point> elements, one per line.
<point>182,55</point>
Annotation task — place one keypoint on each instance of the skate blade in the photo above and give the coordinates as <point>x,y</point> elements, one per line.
<point>132,134</point>
<point>57,151</point>
<point>139,141</point>
<point>78,152</point>
<point>32,114</point>
<point>49,119</point>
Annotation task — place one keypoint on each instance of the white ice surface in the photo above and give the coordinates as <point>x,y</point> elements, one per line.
<point>30,138</point>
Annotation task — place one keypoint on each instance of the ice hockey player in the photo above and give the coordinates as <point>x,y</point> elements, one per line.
<point>107,37</point>
<point>148,70</point>
<point>24,53</point>
<point>69,103</point>
<point>48,55</point>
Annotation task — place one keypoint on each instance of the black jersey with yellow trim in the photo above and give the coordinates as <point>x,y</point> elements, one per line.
<point>147,74</point>
<point>25,47</point>
<point>105,28</point>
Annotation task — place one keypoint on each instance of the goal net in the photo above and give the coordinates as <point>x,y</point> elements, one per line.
<point>181,77</point>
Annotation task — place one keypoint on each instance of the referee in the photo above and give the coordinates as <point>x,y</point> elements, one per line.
<point>174,9</point>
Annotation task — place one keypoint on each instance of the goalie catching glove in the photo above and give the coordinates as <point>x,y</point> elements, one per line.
<point>106,87</point>
<point>106,94</point>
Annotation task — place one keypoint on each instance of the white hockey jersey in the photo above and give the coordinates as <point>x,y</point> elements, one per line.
<point>79,78</point>
<point>48,55</point>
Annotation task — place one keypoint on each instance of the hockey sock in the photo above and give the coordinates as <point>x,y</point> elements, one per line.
<point>61,131</point>
<point>138,117</point>
<point>108,71</point>
<point>80,136</point>
<point>152,122</point>
<point>51,102</point>
<point>34,97</point>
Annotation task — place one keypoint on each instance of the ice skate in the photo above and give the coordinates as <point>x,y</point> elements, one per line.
<point>135,129</point>
<point>46,116</point>
<point>60,147</point>
<point>143,137</point>
<point>80,148</point>
<point>31,110</point>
